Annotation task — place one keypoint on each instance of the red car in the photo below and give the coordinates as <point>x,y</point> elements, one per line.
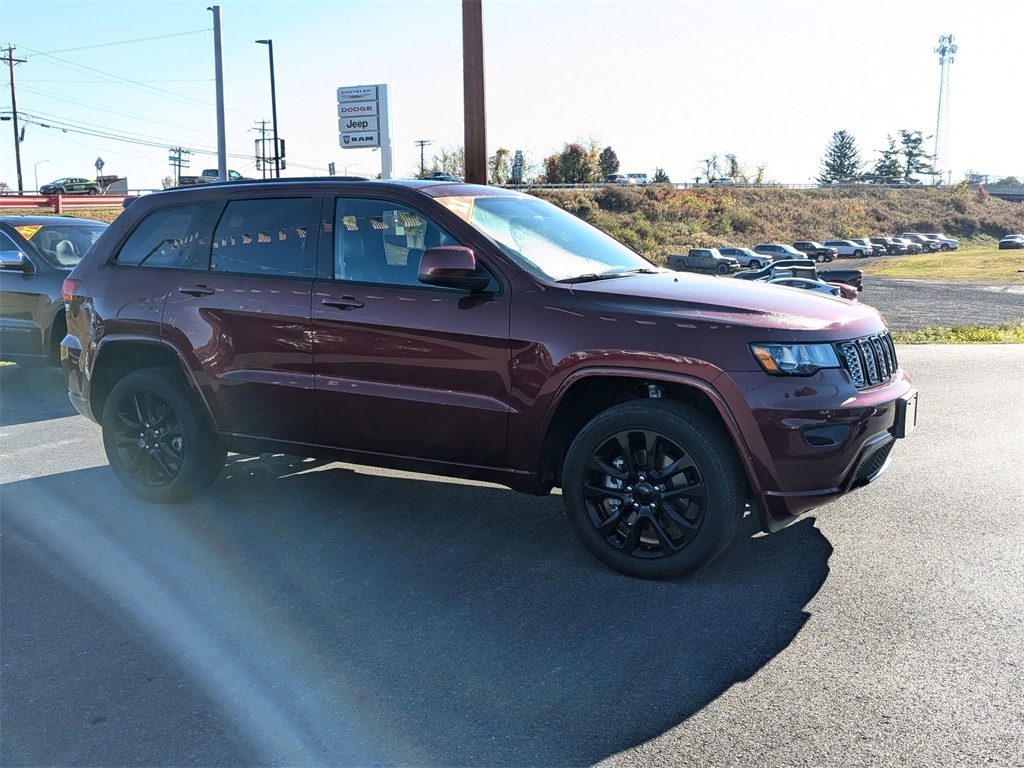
<point>480,333</point>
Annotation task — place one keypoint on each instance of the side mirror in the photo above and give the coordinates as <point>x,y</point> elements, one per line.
<point>14,261</point>
<point>452,266</point>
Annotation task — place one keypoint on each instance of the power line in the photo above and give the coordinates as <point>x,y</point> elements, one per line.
<point>127,42</point>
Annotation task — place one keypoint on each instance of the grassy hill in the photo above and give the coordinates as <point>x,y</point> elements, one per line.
<point>659,220</point>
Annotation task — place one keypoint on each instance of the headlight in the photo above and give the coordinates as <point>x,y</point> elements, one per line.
<point>795,359</point>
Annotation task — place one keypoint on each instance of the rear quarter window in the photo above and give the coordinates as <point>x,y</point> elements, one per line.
<point>166,237</point>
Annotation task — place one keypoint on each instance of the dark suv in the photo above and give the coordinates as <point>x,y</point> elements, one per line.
<point>36,254</point>
<point>816,251</point>
<point>474,332</point>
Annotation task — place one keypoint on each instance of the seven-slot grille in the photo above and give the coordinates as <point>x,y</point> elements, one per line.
<point>871,360</point>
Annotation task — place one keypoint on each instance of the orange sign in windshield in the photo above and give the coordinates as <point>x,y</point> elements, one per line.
<point>27,230</point>
<point>460,206</point>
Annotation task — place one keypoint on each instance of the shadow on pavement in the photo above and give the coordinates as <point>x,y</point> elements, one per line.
<point>30,394</point>
<point>321,614</point>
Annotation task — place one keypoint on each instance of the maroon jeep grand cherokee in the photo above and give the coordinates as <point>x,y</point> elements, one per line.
<point>473,332</point>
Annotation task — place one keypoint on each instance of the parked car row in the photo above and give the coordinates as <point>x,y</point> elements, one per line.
<point>803,273</point>
<point>626,179</point>
<point>931,241</point>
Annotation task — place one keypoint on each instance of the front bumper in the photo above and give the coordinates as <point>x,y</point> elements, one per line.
<point>817,438</point>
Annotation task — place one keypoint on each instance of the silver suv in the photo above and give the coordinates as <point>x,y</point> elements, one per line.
<point>927,245</point>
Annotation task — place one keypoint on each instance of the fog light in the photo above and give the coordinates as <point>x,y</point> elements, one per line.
<point>825,435</point>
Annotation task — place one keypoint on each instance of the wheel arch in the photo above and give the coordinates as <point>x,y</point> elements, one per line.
<point>589,393</point>
<point>117,357</point>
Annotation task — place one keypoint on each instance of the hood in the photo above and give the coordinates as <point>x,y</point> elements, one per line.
<point>704,300</point>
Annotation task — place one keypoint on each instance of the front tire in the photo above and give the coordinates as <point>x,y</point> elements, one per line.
<point>858,254</point>
<point>653,488</point>
<point>157,441</point>
<point>754,264</point>
<point>93,191</point>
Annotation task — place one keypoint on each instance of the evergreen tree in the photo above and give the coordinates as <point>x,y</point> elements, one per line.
<point>915,159</point>
<point>607,162</point>
<point>660,177</point>
<point>841,161</point>
<point>888,165</point>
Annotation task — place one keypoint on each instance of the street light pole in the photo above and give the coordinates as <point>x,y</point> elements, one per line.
<point>35,170</point>
<point>273,107</point>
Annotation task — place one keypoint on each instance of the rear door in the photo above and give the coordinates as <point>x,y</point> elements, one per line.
<point>403,368</point>
<point>242,314</point>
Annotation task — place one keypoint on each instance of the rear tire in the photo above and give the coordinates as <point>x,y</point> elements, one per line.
<point>653,488</point>
<point>157,440</point>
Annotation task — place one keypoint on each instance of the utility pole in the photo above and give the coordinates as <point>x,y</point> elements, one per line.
<point>178,158</point>
<point>218,67</point>
<point>473,91</point>
<point>422,143</point>
<point>14,110</point>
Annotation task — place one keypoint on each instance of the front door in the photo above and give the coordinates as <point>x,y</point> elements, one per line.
<point>403,368</point>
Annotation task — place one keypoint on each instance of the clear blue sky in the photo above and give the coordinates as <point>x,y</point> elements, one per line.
<point>664,83</point>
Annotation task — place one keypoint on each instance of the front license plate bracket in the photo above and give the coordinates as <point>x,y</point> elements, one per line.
<point>906,414</point>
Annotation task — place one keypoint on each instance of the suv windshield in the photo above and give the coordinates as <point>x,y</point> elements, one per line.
<point>62,244</point>
<point>547,241</point>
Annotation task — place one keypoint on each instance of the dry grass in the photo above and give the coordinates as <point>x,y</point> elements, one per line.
<point>969,264</point>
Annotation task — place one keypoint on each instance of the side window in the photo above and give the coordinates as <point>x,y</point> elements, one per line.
<point>381,242</point>
<point>264,237</point>
<point>165,238</point>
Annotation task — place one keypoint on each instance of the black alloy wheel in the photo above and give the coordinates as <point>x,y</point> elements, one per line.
<point>157,442</point>
<point>653,488</point>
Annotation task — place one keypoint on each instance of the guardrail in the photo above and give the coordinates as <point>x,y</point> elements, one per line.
<point>59,203</point>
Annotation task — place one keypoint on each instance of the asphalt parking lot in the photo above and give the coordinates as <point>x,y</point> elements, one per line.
<point>324,614</point>
<point>912,305</point>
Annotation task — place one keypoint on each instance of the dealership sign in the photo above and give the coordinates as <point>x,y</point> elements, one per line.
<point>364,121</point>
<point>358,111</point>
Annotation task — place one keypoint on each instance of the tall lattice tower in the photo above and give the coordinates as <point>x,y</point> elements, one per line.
<point>946,50</point>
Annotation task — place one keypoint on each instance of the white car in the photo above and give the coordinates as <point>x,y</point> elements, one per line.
<point>848,248</point>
